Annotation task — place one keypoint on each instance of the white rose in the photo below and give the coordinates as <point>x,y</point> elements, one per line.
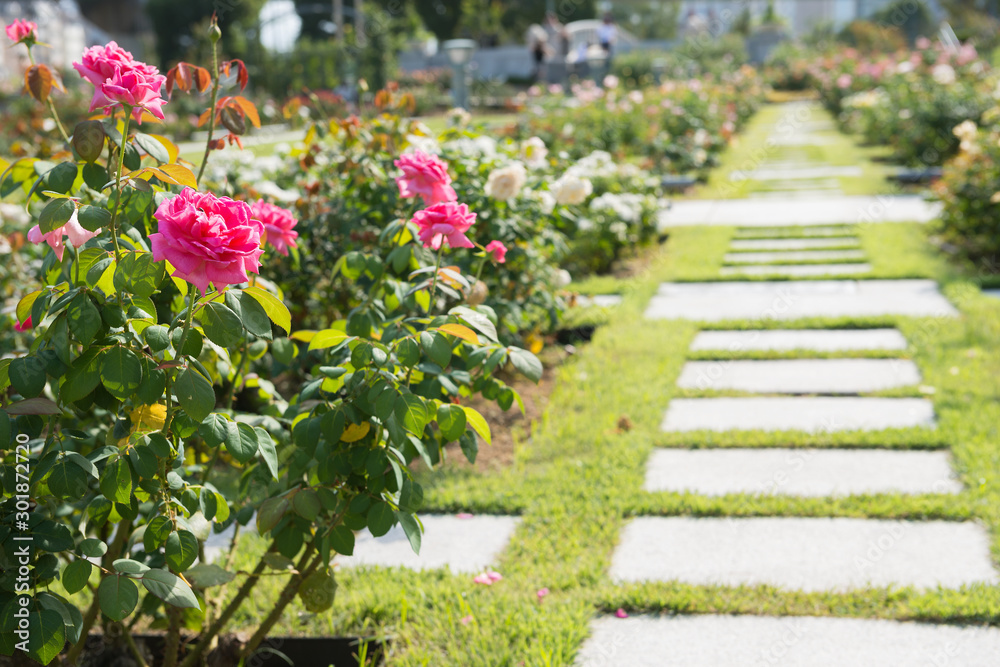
<point>534,152</point>
<point>547,201</point>
<point>570,190</point>
<point>507,182</point>
<point>563,278</point>
<point>944,74</point>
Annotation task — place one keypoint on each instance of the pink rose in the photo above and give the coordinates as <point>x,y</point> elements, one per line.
<point>498,250</point>
<point>447,220</point>
<point>278,224</point>
<point>207,239</point>
<point>424,175</point>
<point>621,613</point>
<point>118,78</point>
<point>76,233</point>
<point>22,31</point>
<point>542,593</point>
<point>23,326</point>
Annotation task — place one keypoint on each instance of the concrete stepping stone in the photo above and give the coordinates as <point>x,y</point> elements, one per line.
<point>812,414</point>
<point>791,256</point>
<point>789,299</point>
<point>805,554</point>
<point>467,544</point>
<point>781,340</point>
<point>799,376</point>
<point>800,472</point>
<point>710,640</point>
<point>787,195</point>
<point>598,300</point>
<point>821,211</point>
<point>771,233</point>
<point>797,173</point>
<point>796,270</point>
<point>794,244</point>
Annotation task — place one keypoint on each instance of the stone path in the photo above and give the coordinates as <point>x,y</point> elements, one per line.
<point>784,234</point>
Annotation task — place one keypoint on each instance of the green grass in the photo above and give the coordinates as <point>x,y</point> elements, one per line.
<point>578,479</point>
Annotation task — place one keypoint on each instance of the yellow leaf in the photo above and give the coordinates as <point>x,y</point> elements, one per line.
<point>303,335</point>
<point>355,432</point>
<point>180,175</point>
<point>327,338</point>
<point>172,150</point>
<point>150,416</point>
<point>460,331</point>
<point>534,343</point>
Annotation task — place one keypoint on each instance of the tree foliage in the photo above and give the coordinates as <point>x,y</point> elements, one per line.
<point>179,25</point>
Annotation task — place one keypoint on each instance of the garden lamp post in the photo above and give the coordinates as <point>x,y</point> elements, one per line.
<point>459,52</point>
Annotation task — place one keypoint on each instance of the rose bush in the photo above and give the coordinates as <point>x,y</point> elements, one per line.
<point>140,378</point>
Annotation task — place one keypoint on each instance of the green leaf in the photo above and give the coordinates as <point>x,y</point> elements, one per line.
<point>195,394</point>
<point>76,574</point>
<point>318,591</point>
<point>527,363</point>
<point>129,566</point>
<point>116,481</point>
<point>83,377</point>
<point>118,596</point>
<point>157,532</point>
<point>255,318</point>
<point>412,530</point>
<point>222,326</point>
<point>46,635</point>
<point>437,347</point>
<point>181,550</point>
<point>342,540</point>
<point>451,420</point>
<point>84,319</point>
<point>327,338</point>
<point>154,148</point>
<point>284,351</point>
<point>93,218</point>
<point>67,480</point>
<point>478,424</point>
<point>270,513</point>
<point>244,446</point>
<point>408,352</point>
<point>170,588</point>
<point>27,376</point>
<point>265,445</point>
<point>60,178</point>
<point>215,429</point>
<point>274,308</point>
<point>476,320</point>
<point>157,337</point>
<point>380,518</point>
<point>206,575</point>
<point>95,176</point>
<point>121,372</point>
<point>306,504</point>
<point>56,214</point>
<point>412,413</point>
<point>139,274</point>
<point>93,547</point>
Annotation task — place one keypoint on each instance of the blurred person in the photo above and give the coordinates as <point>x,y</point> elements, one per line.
<point>607,35</point>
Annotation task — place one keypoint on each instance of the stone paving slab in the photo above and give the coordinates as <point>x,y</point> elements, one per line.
<point>800,472</point>
<point>796,270</point>
<point>806,554</point>
<point>802,140</point>
<point>797,173</point>
<point>801,212</point>
<point>793,244</point>
<point>778,232</point>
<point>790,256</point>
<point>598,300</point>
<point>792,195</point>
<point>789,299</point>
<point>820,340</point>
<point>800,376</point>
<point>789,641</point>
<point>812,414</point>
<point>995,293</point>
<point>462,544</point>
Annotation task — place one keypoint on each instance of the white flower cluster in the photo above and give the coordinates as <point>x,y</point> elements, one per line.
<point>627,207</point>
<point>506,182</point>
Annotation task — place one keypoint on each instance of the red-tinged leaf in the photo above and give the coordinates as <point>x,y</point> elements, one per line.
<point>169,364</point>
<point>203,79</point>
<point>242,75</point>
<point>248,107</point>
<point>203,118</point>
<point>38,81</point>
<point>233,139</point>
<point>181,75</point>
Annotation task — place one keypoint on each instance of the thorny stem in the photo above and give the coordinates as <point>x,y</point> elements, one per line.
<point>211,109</point>
<point>434,282</point>
<point>118,188</point>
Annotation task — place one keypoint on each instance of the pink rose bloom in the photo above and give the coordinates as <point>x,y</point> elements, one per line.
<point>207,239</point>
<point>22,31</point>
<point>278,224</point>
<point>23,326</point>
<point>76,233</point>
<point>128,80</point>
<point>447,220</point>
<point>483,579</point>
<point>424,175</point>
<point>844,81</point>
<point>498,250</point>
<point>494,576</point>
<point>542,593</point>
<point>621,613</point>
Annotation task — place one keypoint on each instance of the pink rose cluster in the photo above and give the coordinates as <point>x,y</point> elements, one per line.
<point>72,230</point>
<point>120,79</point>
<point>22,31</point>
<point>498,250</point>
<point>488,578</point>
<point>278,224</point>
<point>424,175</point>
<point>208,239</point>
